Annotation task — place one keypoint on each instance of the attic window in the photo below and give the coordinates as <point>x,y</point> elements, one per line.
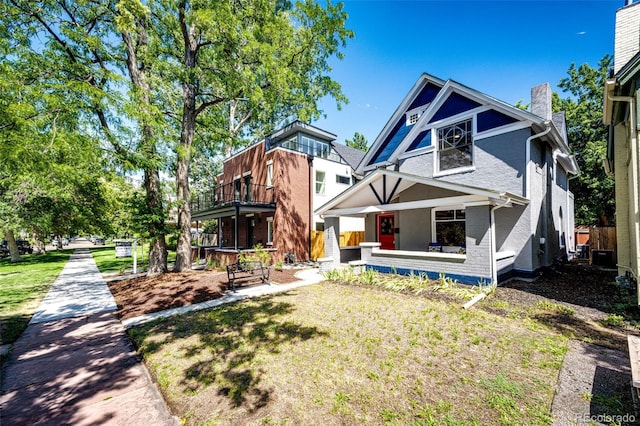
<point>414,115</point>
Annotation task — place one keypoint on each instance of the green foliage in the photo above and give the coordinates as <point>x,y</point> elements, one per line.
<point>258,253</point>
<point>593,189</point>
<point>614,320</point>
<point>554,307</point>
<point>358,142</point>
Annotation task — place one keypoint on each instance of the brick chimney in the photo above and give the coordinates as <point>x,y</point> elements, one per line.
<point>541,101</point>
<point>627,37</point>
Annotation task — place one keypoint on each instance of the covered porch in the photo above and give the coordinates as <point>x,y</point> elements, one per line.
<point>428,226</point>
<point>245,218</point>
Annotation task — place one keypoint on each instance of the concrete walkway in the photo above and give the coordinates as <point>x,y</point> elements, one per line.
<point>74,363</point>
<point>306,277</point>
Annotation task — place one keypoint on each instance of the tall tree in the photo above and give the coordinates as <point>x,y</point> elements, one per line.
<point>593,189</point>
<point>240,64</point>
<point>358,142</point>
<point>75,45</point>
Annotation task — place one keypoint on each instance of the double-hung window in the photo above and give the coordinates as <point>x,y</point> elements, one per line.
<point>449,227</point>
<point>320,179</point>
<point>455,146</point>
<point>269,173</point>
<point>270,230</point>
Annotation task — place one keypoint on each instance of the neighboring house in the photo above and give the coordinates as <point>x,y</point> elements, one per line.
<point>267,192</point>
<point>621,114</point>
<point>460,183</point>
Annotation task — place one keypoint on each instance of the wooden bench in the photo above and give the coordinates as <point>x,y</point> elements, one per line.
<point>247,270</point>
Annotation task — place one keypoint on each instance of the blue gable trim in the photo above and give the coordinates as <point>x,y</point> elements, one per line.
<point>428,93</point>
<point>462,279</point>
<point>455,104</point>
<point>392,141</point>
<point>491,119</point>
<point>400,130</point>
<point>421,141</point>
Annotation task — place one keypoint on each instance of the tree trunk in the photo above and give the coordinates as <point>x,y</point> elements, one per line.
<point>158,246</point>
<point>189,113</point>
<point>13,247</point>
<point>156,228</point>
<point>183,248</point>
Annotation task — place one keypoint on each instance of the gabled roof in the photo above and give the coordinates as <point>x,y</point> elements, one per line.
<point>379,190</point>
<point>351,155</point>
<point>442,100</point>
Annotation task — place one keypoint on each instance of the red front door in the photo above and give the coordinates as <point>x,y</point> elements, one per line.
<point>386,231</point>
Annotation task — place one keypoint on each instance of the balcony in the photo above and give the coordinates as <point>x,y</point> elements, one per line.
<point>223,199</point>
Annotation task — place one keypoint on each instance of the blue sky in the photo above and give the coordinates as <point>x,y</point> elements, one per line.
<point>501,48</point>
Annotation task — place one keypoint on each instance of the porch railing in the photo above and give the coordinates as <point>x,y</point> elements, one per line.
<point>231,194</point>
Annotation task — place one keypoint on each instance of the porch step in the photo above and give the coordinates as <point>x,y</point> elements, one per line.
<point>358,266</point>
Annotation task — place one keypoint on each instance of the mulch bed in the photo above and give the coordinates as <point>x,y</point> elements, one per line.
<point>143,295</point>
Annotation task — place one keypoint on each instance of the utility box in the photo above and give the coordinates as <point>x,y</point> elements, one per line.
<point>123,248</point>
<point>602,258</point>
<point>582,251</point>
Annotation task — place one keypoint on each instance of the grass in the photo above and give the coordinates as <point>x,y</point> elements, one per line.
<point>22,286</point>
<point>107,262</point>
<point>336,354</point>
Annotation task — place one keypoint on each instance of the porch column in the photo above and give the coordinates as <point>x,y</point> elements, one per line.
<point>235,228</point>
<point>332,240</point>
<point>366,250</point>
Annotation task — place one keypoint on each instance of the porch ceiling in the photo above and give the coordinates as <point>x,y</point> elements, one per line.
<point>379,192</point>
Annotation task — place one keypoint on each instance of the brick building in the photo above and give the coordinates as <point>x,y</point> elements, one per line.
<point>267,192</point>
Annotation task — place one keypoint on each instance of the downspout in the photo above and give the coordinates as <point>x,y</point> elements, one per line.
<point>311,191</point>
<point>527,159</point>
<point>527,177</point>
<point>634,162</point>
<point>573,231</point>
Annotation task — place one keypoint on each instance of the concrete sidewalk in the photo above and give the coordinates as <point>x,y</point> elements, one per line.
<point>74,363</point>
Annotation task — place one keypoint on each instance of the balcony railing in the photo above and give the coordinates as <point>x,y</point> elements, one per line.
<point>231,194</point>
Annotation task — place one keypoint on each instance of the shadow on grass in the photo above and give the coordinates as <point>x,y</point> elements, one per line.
<point>229,339</point>
<point>581,329</point>
<point>54,256</point>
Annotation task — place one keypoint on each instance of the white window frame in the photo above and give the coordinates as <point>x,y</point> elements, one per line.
<point>323,182</point>
<point>269,173</point>
<point>434,238</point>
<point>270,230</point>
<point>343,176</point>
<point>414,115</point>
<point>438,149</point>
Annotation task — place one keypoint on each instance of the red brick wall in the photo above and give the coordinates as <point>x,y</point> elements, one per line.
<point>291,223</point>
<point>291,180</point>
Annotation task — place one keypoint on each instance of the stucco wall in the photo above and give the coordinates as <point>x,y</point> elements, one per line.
<point>499,163</point>
<point>332,188</point>
<point>415,229</point>
<point>471,268</point>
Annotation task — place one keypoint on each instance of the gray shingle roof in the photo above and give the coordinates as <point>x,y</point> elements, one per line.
<point>351,155</point>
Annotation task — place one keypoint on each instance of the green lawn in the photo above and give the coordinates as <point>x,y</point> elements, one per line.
<point>107,262</point>
<point>22,287</point>
<point>338,354</point>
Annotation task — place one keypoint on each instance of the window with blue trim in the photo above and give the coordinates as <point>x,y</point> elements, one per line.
<point>455,145</point>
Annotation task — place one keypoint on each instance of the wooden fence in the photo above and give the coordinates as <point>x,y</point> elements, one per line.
<point>601,239</point>
<point>350,238</point>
